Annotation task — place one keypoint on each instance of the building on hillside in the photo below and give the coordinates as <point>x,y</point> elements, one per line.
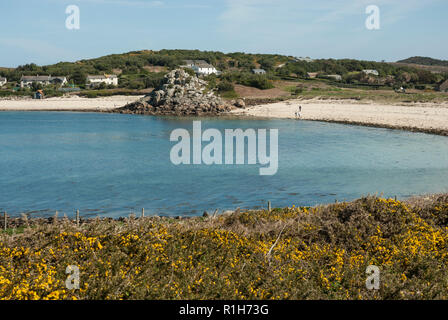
<point>96,80</point>
<point>312,75</point>
<point>306,59</point>
<point>3,81</point>
<point>191,63</point>
<point>201,67</point>
<point>27,81</point>
<point>369,71</point>
<point>258,71</point>
<point>335,77</point>
<point>444,86</point>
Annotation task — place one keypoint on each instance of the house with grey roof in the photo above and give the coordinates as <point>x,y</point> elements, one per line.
<point>27,81</point>
<point>201,67</point>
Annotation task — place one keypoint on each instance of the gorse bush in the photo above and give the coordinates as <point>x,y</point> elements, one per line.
<point>290,253</point>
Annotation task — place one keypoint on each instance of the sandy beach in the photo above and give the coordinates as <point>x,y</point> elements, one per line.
<point>425,117</point>
<point>72,103</point>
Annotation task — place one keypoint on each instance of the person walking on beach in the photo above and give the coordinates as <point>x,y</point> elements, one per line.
<point>298,112</point>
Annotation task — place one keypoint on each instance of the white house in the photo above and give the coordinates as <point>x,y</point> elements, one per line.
<point>335,77</point>
<point>201,67</point>
<point>27,81</point>
<point>59,80</point>
<point>111,79</point>
<point>259,71</point>
<point>3,81</point>
<point>306,59</point>
<point>369,71</point>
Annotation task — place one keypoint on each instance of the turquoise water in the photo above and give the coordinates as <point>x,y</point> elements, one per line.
<point>111,165</point>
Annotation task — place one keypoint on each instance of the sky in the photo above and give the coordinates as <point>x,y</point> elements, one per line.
<point>34,31</point>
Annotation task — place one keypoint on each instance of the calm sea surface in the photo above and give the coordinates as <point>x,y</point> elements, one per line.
<point>112,165</point>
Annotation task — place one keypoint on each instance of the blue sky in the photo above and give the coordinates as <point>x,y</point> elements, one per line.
<point>34,30</point>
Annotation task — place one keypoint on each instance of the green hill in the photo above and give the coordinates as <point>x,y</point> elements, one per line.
<point>145,69</point>
<point>426,61</point>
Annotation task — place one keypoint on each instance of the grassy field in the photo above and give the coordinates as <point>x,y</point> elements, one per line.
<point>327,90</point>
<point>318,89</point>
<point>289,253</point>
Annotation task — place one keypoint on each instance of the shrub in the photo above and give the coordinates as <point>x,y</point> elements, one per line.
<point>290,253</point>
<point>225,85</point>
<point>256,81</point>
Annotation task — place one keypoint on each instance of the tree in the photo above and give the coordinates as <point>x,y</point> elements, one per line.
<point>78,77</point>
<point>225,86</point>
<point>36,86</point>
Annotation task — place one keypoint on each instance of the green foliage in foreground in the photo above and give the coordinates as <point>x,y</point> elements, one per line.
<point>290,253</point>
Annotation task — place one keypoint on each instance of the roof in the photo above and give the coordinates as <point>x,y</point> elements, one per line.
<point>101,77</point>
<point>204,65</point>
<point>41,78</point>
<point>2,79</point>
<point>199,63</point>
<point>444,86</point>
<point>194,61</point>
<point>258,70</point>
<point>35,78</point>
<point>370,71</point>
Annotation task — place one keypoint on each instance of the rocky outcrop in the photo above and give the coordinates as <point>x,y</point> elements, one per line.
<point>239,103</point>
<point>180,94</point>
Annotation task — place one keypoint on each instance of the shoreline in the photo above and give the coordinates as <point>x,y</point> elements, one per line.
<point>427,118</point>
<point>72,103</point>
<point>416,117</point>
<point>26,219</point>
<point>438,132</point>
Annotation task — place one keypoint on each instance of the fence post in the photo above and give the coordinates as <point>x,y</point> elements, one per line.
<point>269,206</point>
<point>5,220</point>
<point>25,218</point>
<point>143,212</point>
<point>77,218</point>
